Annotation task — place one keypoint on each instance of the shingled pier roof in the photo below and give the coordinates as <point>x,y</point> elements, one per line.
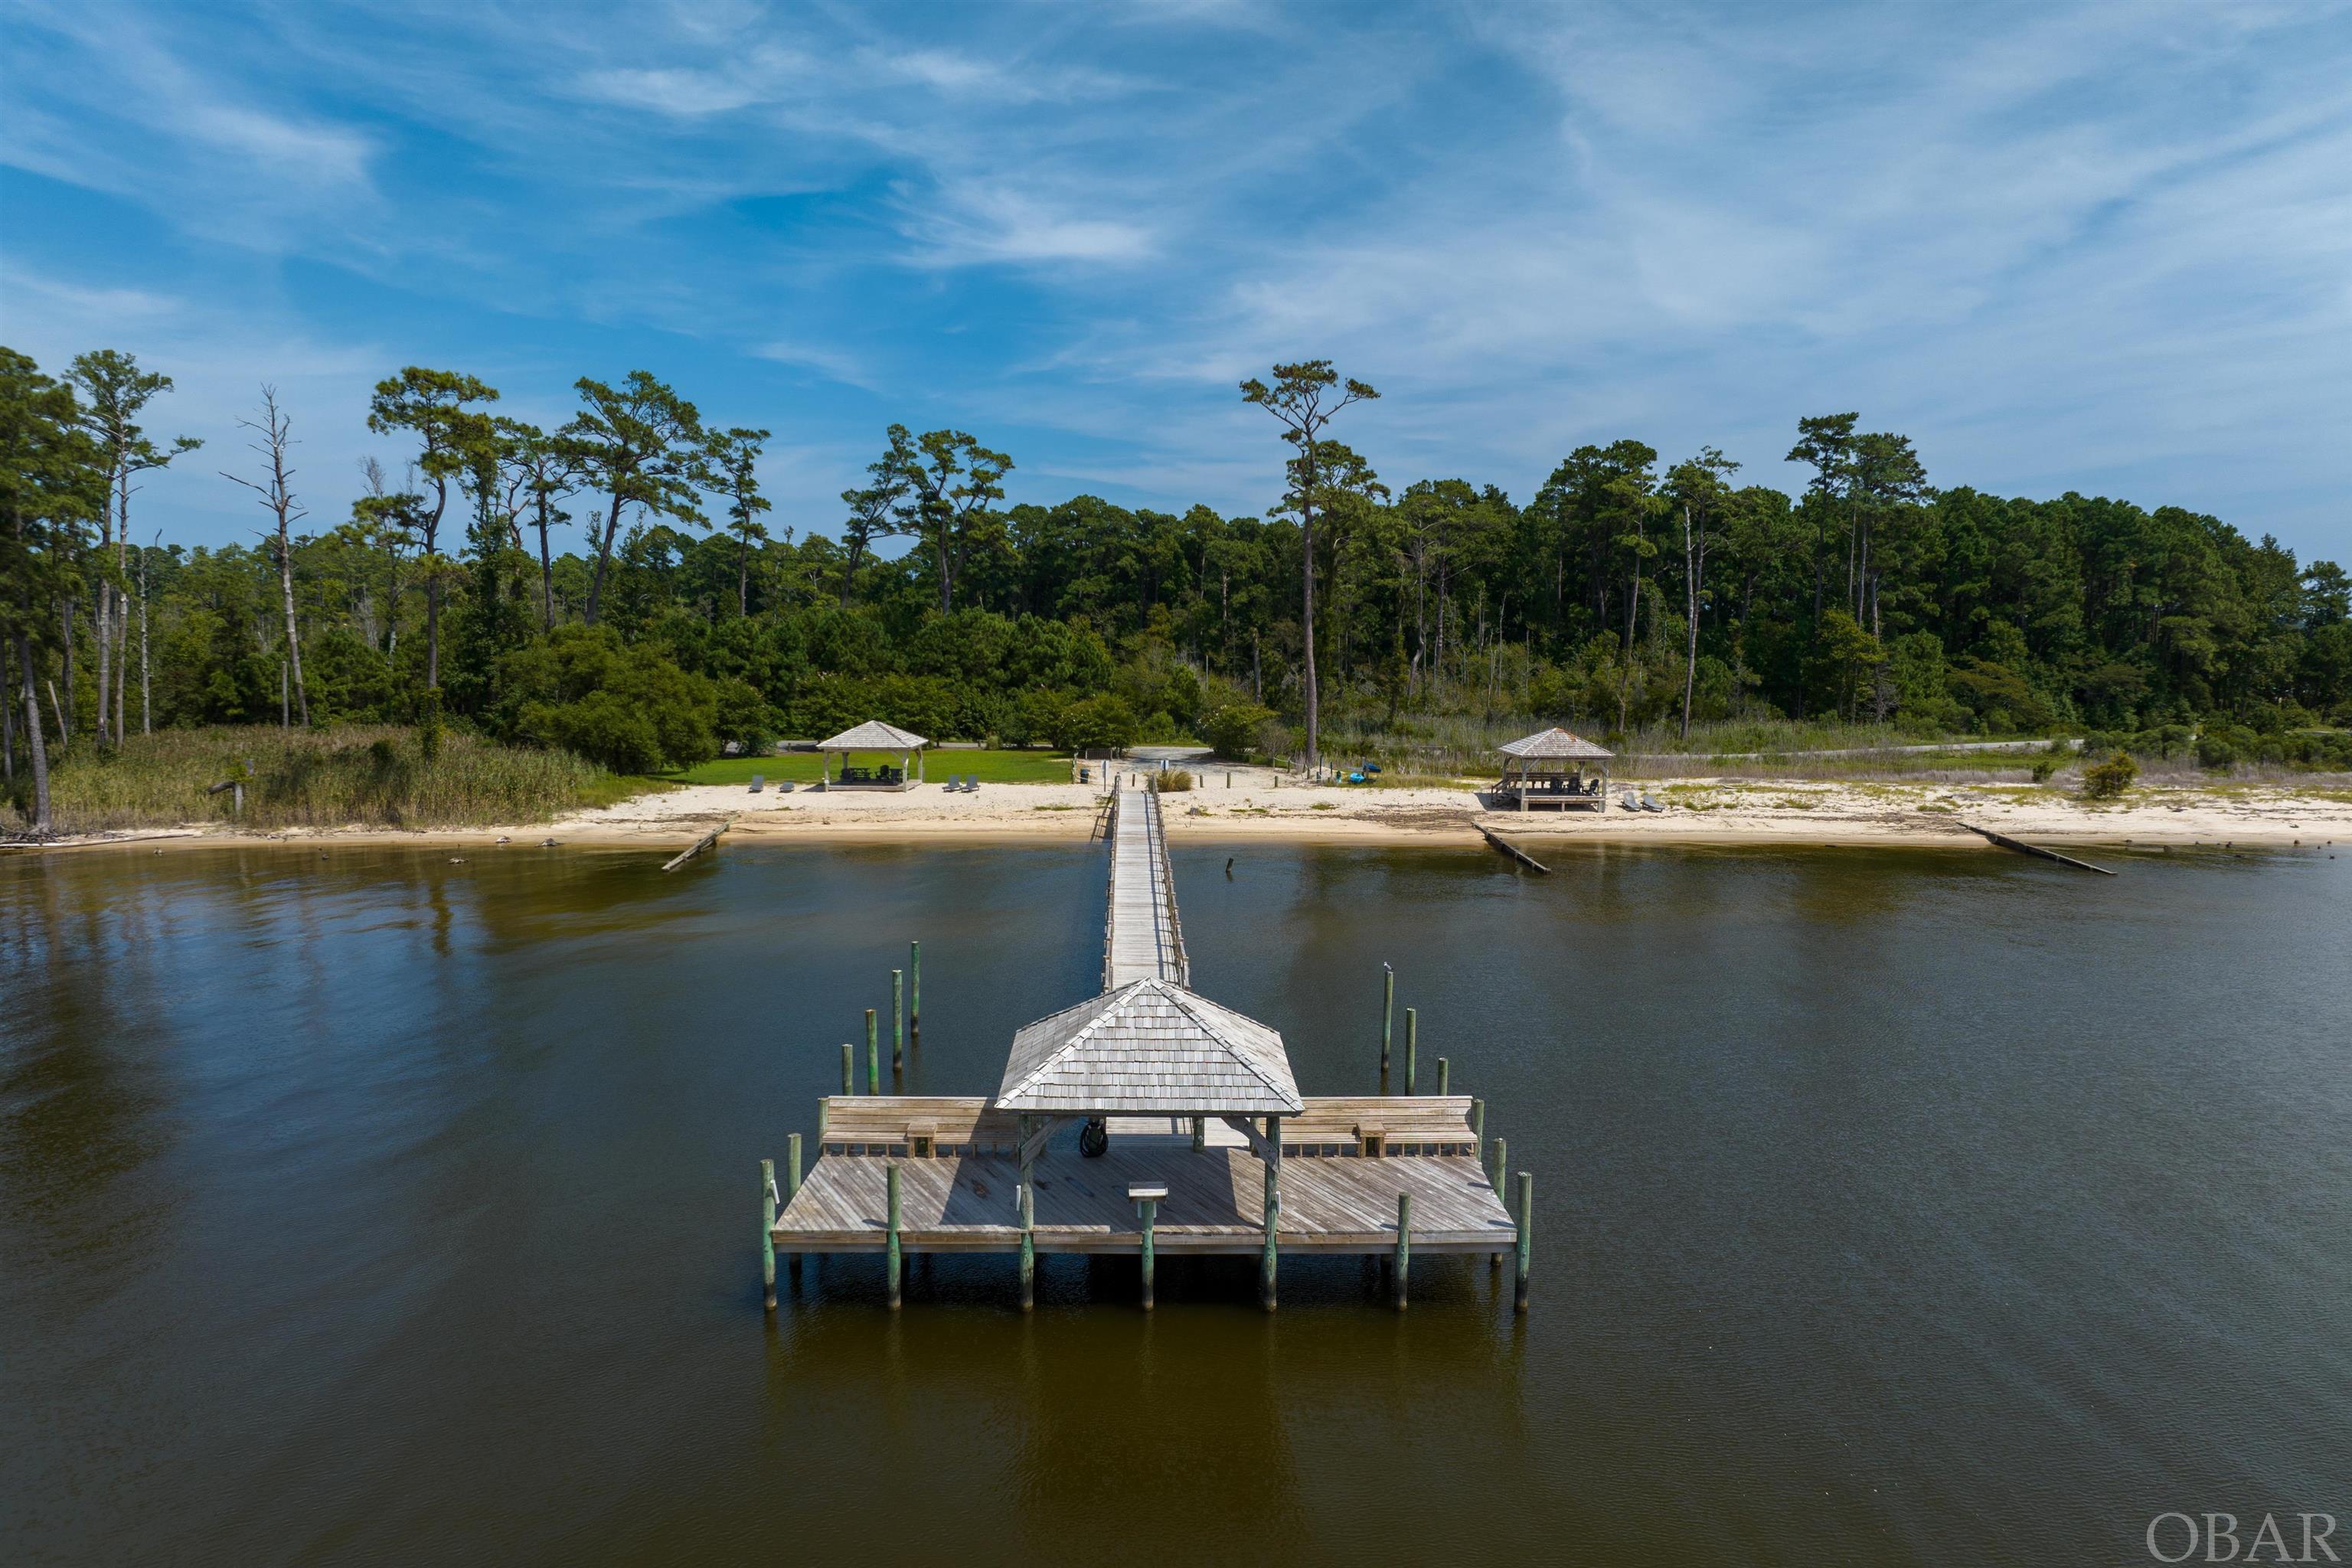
<point>874,736</point>
<point>1149,1047</point>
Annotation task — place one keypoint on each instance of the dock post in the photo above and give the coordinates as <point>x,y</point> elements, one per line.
<point>1388,1014</point>
<point>1478,1129</point>
<point>1526,1237</point>
<point>1412,1045</point>
<point>1502,1164</point>
<point>768,1233</point>
<point>848,1068</point>
<point>1272,1223</point>
<point>1444,1078</point>
<point>1404,1244</point>
<point>1150,1207</point>
<point>1200,1134</point>
<point>891,1178</point>
<point>898,1022</point>
<point>793,1184</point>
<point>915,995</point>
<point>1028,1245</point>
<point>873,1056</point>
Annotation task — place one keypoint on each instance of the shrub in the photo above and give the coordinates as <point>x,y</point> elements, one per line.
<point>2108,780</point>
<point>627,707</point>
<point>1098,724</point>
<point>1233,729</point>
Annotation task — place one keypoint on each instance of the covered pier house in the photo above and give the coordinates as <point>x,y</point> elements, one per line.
<point>1549,771</point>
<point>1195,1136</point>
<point>873,736</point>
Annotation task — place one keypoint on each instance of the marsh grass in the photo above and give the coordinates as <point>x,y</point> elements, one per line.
<point>368,775</point>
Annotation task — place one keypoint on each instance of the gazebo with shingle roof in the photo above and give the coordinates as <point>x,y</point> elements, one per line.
<point>874,736</point>
<point>1547,769</point>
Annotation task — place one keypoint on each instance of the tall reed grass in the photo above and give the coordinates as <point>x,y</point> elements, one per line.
<point>371,775</point>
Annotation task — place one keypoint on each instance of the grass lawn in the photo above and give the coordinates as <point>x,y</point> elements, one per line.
<point>801,767</point>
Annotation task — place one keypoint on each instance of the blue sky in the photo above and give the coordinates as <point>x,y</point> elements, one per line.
<point>2101,246</point>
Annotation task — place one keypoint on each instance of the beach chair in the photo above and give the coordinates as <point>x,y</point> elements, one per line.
<point>759,781</point>
<point>1649,805</point>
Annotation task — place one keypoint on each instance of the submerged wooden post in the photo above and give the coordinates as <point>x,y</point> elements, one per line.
<point>1412,1045</point>
<point>1526,1236</point>
<point>1028,1244</point>
<point>873,1056</point>
<point>848,1068</point>
<point>1404,1244</point>
<point>1388,1014</point>
<point>891,1264</point>
<point>897,1021</point>
<point>1150,1207</point>
<point>1273,1212</point>
<point>915,995</point>
<point>768,1233</point>
<point>1443,1077</point>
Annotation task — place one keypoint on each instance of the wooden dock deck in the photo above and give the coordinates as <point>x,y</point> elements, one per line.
<point>1141,938</point>
<point>969,1203</point>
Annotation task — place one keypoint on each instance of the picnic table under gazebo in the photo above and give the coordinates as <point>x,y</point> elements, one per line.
<point>1548,771</point>
<point>869,736</point>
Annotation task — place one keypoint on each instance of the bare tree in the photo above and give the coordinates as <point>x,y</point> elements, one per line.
<point>278,498</point>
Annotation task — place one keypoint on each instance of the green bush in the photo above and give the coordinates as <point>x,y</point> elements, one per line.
<point>2108,780</point>
<point>1234,729</point>
<point>1098,724</point>
<point>628,707</point>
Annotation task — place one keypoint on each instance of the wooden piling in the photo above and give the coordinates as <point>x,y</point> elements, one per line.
<point>793,1184</point>
<point>848,1068</point>
<point>873,1056</point>
<point>1412,1045</point>
<point>1404,1246</point>
<point>1478,1129</point>
<point>898,1022</point>
<point>1388,1014</point>
<point>1526,1237</point>
<point>915,995</point>
<point>1150,1207</point>
<point>1028,1246</point>
<point>1272,1223</point>
<point>891,1263</point>
<point>1502,1163</point>
<point>1200,1135</point>
<point>1443,1078</point>
<point>768,1233</point>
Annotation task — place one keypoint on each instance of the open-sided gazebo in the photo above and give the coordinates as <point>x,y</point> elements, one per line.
<point>875,736</point>
<point>1548,770</point>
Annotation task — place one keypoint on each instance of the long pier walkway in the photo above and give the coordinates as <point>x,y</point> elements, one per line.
<point>1142,938</point>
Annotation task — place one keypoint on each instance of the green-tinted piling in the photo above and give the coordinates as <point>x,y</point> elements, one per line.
<point>1526,1236</point>
<point>1028,1248</point>
<point>1445,1078</point>
<point>1412,1045</point>
<point>1404,1246</point>
<point>915,993</point>
<point>891,1264</point>
<point>848,1068</point>
<point>1273,1224</point>
<point>1200,1134</point>
<point>1502,1163</point>
<point>1150,1207</point>
<point>873,1056</point>
<point>1388,1014</point>
<point>768,1233</point>
<point>897,1021</point>
<point>792,1183</point>
<point>1478,1129</point>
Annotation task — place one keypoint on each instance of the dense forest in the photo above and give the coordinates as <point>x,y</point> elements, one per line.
<point>1631,593</point>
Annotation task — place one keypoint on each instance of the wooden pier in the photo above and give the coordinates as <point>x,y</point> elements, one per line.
<point>1194,1138</point>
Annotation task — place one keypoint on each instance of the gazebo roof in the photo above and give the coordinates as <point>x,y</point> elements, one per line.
<point>874,736</point>
<point>1149,1047</point>
<point>1552,742</point>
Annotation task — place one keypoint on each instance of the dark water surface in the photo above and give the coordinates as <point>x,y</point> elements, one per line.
<point>1891,1207</point>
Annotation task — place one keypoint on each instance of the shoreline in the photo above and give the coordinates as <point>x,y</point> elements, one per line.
<point>1699,812</point>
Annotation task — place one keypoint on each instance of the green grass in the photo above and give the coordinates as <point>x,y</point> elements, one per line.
<point>372,775</point>
<point>801,767</point>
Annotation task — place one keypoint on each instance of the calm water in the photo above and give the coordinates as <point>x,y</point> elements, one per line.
<point>1891,1207</point>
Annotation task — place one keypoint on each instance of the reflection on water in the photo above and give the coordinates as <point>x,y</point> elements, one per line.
<point>1890,1206</point>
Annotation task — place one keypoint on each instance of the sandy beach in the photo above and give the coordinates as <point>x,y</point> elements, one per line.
<point>1696,811</point>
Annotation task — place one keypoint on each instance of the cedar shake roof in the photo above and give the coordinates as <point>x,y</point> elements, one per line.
<point>1552,742</point>
<point>874,736</point>
<point>1149,1047</point>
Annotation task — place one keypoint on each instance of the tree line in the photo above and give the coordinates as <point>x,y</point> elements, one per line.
<point>1627,591</point>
